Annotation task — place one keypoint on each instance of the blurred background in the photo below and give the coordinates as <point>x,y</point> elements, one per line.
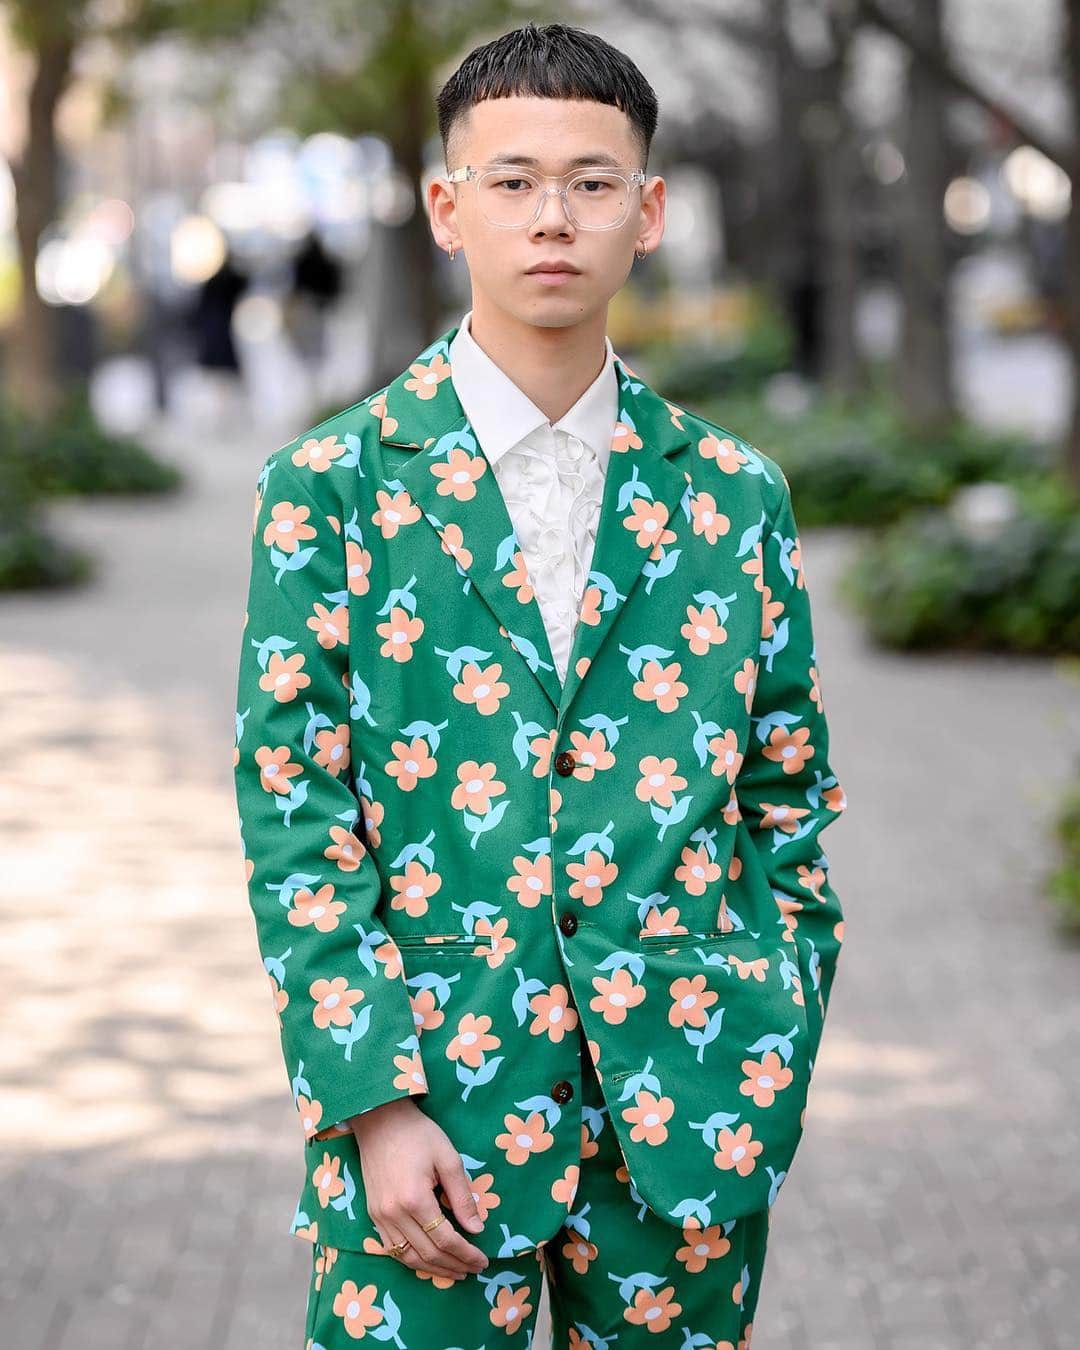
<point>212,234</point>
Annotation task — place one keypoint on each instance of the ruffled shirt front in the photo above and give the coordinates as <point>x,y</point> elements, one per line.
<point>551,475</point>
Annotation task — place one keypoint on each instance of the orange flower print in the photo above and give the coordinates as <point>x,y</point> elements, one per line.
<point>615,995</point>
<point>288,528</point>
<point>400,630</point>
<point>284,677</point>
<point>591,754</point>
<point>328,1184</point>
<point>413,888</point>
<point>736,1150</point>
<point>517,579</point>
<point>457,476</point>
<point>318,910</point>
<point>789,749</point>
<point>654,1311</point>
<point>318,455</point>
<point>377,408</point>
<point>707,520</point>
<point>625,438</point>
<point>346,850</point>
<point>523,1138</point>
<point>702,1246</point>
<point>484,1197</point>
<point>697,870</point>
<point>310,1114</point>
<point>333,1002</point>
<point>280,996</point>
<point>333,752</point>
<point>724,450</point>
<point>661,685</point>
<point>331,627</point>
<point>579,1251</point>
<point>590,877</point>
<point>531,881</point>
<point>410,1076</point>
<point>554,1016</point>
<point>648,523</point>
<point>476,786</point>
<point>481,687</point>
<point>649,1116</point>
<point>590,606</point>
<point>690,999</point>
<point>453,542</point>
<point>473,1040</point>
<point>765,1078</point>
<point>395,510</point>
<point>427,1015</point>
<point>276,768</point>
<point>564,1188</point>
<point>812,878</point>
<point>702,629</point>
<point>658,782</point>
<point>356,1308</point>
<point>665,922</point>
<point>511,1308</point>
<point>727,757</point>
<point>372,814</point>
<point>750,970</point>
<point>745,681</point>
<point>357,568</point>
<point>424,380</point>
<point>541,747</point>
<point>777,816</point>
<point>414,761</point>
<point>493,940</point>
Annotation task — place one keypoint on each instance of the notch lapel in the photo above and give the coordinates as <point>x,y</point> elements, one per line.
<point>455,487</point>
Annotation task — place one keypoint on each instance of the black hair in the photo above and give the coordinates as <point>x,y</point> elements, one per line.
<point>554,60</point>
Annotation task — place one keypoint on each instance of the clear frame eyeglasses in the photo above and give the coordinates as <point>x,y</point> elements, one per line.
<point>511,198</point>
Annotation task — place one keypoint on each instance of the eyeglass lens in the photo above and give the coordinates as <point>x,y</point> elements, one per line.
<point>594,200</point>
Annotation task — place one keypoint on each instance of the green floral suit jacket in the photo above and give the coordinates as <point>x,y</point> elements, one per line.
<point>459,867</point>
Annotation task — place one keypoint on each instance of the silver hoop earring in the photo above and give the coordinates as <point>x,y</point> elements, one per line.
<point>451,252</point>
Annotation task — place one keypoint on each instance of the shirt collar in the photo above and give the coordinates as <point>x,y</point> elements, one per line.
<point>501,413</point>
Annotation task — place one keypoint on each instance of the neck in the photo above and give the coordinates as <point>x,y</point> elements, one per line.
<point>553,366</point>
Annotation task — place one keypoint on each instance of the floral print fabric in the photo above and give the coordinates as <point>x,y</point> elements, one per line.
<point>459,864</point>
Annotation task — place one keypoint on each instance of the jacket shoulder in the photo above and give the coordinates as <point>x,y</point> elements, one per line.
<point>772,482</point>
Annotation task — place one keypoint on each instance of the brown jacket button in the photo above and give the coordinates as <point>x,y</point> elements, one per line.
<point>563,1090</point>
<point>568,923</point>
<point>564,763</point>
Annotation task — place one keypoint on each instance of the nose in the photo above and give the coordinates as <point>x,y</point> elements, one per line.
<point>552,208</point>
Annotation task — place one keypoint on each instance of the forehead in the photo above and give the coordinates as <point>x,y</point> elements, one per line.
<point>549,134</point>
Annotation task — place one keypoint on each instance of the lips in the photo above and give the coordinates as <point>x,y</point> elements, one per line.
<point>553,267</point>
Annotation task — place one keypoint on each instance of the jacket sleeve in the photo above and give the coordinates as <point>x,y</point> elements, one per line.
<point>345,1018</point>
<point>786,790</point>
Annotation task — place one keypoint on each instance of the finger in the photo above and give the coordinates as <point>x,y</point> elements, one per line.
<point>458,1188</point>
<point>434,1250</point>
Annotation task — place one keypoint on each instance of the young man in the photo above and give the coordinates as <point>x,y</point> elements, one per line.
<point>531,768</point>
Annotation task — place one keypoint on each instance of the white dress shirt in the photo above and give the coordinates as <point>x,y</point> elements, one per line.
<point>551,474</point>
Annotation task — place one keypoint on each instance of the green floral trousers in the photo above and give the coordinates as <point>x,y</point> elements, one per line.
<point>618,1276</point>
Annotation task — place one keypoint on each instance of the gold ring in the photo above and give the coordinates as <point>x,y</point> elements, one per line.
<point>399,1247</point>
<point>427,1227</point>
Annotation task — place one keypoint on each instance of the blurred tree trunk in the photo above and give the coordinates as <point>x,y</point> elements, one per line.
<point>1072,241</point>
<point>31,379</point>
<point>924,371</point>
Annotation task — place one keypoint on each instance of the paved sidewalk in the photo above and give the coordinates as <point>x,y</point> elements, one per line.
<point>150,1159</point>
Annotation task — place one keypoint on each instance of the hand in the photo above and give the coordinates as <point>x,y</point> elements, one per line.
<point>403,1155</point>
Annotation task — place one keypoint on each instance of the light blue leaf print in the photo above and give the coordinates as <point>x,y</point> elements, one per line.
<point>721,603</point>
<point>503,1279</point>
<point>698,1339</point>
<point>478,909</point>
<point>472,1165</point>
<point>504,553</point>
<point>269,646</point>
<point>316,721</point>
<point>637,656</point>
<point>471,1078</point>
<point>290,803</point>
<point>709,1128</point>
<point>528,650</point>
<point>275,965</point>
<point>777,1182</point>
<point>355,1031</point>
<point>348,1195</point>
<point>399,597</point>
<point>360,700</point>
<point>768,722</point>
<point>389,1328</point>
<point>786,546</point>
<point>355,447</point>
<point>754,463</point>
<point>629,1284</point>
<point>591,1338</point>
<point>781,1042</point>
<point>578,1223</point>
<point>451,440</point>
<point>671,816</point>
<point>609,596</point>
<point>419,851</point>
<point>351,529</point>
<point>773,646</point>
<point>300,1084</point>
<point>693,1208</point>
<point>300,1220</point>
<point>524,992</point>
<point>634,486</point>
<point>431,731</point>
<point>663,567</point>
<point>460,657</point>
<point>478,825</point>
<point>524,735</point>
<point>703,1036</point>
<point>439,984</point>
<point>644,1080</point>
<point>365,951</point>
<point>749,537</point>
<point>602,842</point>
<point>290,562</point>
<point>551,1109</point>
<point>241,718</point>
<point>703,735</point>
<point>593,1117</point>
<point>608,725</point>
<point>619,959</point>
<point>295,881</point>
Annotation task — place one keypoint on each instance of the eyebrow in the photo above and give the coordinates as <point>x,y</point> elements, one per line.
<point>595,157</point>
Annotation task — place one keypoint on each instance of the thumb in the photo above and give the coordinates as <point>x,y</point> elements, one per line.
<point>458,1189</point>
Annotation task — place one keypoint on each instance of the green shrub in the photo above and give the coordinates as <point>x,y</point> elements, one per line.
<point>1064,882</point>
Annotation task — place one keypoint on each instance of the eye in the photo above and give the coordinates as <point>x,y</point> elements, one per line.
<point>513,184</point>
